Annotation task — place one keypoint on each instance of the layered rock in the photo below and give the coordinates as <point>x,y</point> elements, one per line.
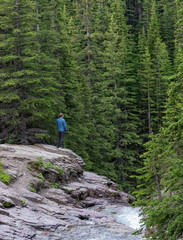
<point>49,193</point>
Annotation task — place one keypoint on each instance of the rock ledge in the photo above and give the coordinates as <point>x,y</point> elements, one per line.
<point>49,193</point>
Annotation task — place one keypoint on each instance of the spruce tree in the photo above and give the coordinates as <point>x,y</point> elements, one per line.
<point>31,81</point>
<point>121,88</point>
<point>79,30</point>
<point>162,199</point>
<point>72,82</point>
<point>167,19</point>
<point>145,76</point>
<point>160,69</point>
<point>19,100</point>
<point>87,35</point>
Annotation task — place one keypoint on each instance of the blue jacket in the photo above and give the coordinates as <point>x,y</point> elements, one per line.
<point>61,125</point>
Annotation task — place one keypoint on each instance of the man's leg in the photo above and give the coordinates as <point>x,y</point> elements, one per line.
<point>62,138</point>
<point>59,137</point>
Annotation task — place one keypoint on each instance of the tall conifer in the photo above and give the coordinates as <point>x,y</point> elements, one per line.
<point>32,75</point>
<point>160,68</point>
<point>164,160</point>
<point>27,98</point>
<point>121,87</point>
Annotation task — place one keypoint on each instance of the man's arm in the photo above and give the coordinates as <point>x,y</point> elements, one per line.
<point>65,126</point>
<point>57,124</point>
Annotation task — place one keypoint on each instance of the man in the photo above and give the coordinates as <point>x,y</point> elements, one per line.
<point>62,128</point>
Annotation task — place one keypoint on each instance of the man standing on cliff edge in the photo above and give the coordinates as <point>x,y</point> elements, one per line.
<point>62,128</point>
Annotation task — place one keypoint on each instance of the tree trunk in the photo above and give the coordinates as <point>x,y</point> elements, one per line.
<point>149,106</point>
<point>157,179</point>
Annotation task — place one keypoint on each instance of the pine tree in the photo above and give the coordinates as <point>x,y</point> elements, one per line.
<point>161,68</point>
<point>31,79</point>
<point>167,21</point>
<point>162,198</point>
<point>121,88</point>
<point>79,27</point>
<point>19,104</point>
<point>72,83</point>
<point>153,29</point>
<point>146,13</point>
<point>145,76</point>
<point>88,33</point>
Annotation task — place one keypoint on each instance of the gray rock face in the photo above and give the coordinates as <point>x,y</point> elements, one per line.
<point>49,195</point>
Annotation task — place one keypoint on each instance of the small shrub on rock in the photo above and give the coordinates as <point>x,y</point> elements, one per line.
<point>4,177</point>
<point>8,204</point>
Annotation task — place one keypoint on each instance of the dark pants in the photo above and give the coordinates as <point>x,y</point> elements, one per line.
<point>61,136</point>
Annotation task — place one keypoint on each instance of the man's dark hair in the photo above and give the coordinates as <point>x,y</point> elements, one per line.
<point>61,114</point>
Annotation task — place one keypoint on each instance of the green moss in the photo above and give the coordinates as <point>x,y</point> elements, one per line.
<point>32,189</point>
<point>55,185</point>
<point>41,176</point>
<point>60,170</point>
<point>39,162</point>
<point>8,204</point>
<point>69,191</point>
<point>4,177</point>
<point>70,171</point>
<point>48,165</point>
<point>24,202</point>
<point>29,167</point>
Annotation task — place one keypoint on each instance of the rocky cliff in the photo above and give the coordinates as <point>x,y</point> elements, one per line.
<point>44,193</point>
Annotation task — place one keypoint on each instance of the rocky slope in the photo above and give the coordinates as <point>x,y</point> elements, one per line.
<point>49,194</point>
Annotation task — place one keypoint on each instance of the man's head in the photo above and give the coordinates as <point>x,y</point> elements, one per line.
<point>61,115</point>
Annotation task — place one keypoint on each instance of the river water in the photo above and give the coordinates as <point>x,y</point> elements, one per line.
<point>126,222</point>
<point>126,215</point>
<point>129,217</point>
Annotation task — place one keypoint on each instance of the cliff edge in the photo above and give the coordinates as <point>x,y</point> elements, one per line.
<point>45,192</point>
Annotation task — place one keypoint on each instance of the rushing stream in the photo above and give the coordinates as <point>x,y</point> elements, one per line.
<point>127,222</point>
<point>129,217</point>
<point>126,215</point>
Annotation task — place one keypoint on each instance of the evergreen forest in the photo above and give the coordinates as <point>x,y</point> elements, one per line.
<point>115,69</point>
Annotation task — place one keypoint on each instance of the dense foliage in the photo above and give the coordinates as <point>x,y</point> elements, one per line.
<point>162,198</point>
<point>114,67</point>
